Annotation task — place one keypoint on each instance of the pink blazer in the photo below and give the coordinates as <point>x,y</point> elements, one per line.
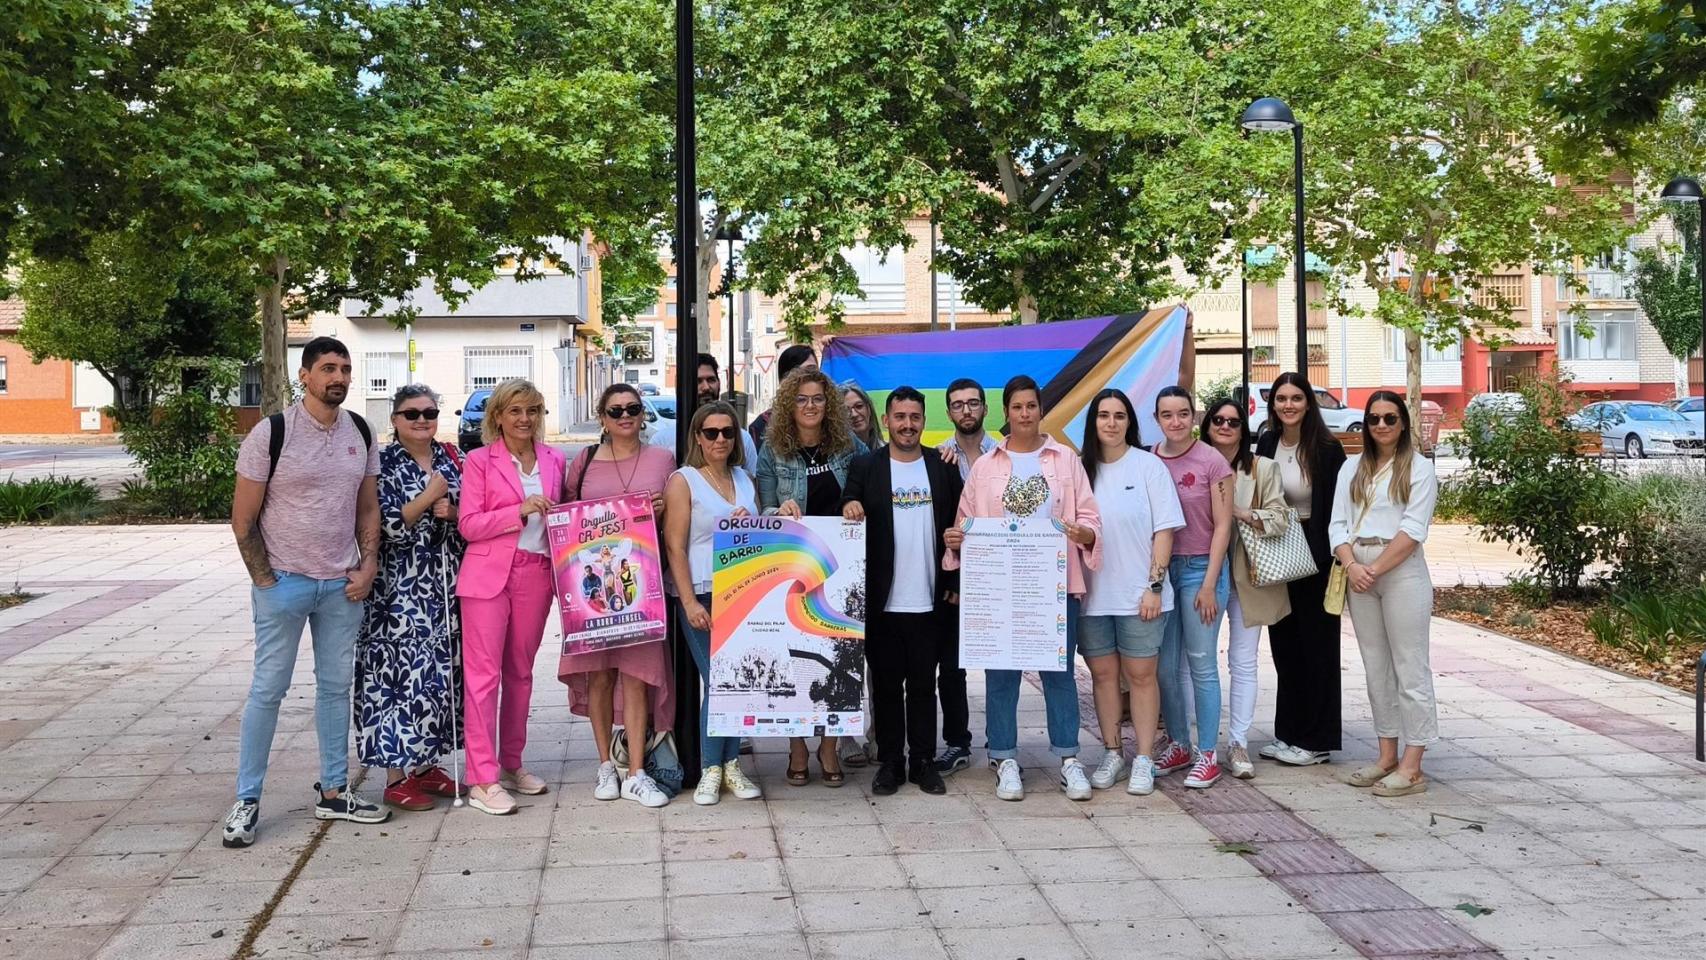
<point>1075,500</point>
<point>490,517</point>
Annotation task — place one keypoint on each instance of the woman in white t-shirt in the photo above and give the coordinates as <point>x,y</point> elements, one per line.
<point>1125,602</point>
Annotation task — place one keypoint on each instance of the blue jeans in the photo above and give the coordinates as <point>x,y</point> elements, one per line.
<point>713,751</point>
<point>280,613</point>
<point>1198,643</point>
<point>1060,702</point>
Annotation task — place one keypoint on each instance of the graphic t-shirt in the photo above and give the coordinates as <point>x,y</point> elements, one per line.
<point>1028,493</point>
<point>823,491</point>
<point>914,587</point>
<point>1137,500</point>
<point>1195,472</point>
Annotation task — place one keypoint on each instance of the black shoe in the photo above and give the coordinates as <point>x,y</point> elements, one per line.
<point>952,760</point>
<point>348,805</point>
<point>887,781</point>
<point>924,774</point>
<point>240,823</point>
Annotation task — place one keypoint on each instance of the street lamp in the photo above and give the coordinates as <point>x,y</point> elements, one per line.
<point>1687,190</point>
<point>729,234</point>
<point>687,227</point>
<point>1271,115</point>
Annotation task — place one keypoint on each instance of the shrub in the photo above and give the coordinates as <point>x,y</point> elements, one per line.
<point>32,501</point>
<point>188,447</point>
<point>1660,522</point>
<point>1649,624</point>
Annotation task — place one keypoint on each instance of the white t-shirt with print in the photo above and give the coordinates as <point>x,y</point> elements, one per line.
<point>914,586</point>
<point>1137,498</point>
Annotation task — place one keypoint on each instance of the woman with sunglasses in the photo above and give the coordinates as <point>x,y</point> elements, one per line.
<point>633,682</point>
<point>1029,474</point>
<point>1305,644</point>
<point>1257,502</point>
<point>711,486</point>
<point>1384,505</point>
<point>802,469</point>
<point>1127,600</point>
<point>505,588</point>
<point>407,666</point>
<point>861,415</point>
<point>1202,584</point>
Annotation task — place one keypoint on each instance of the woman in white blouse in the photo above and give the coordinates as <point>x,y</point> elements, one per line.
<point>1381,513</point>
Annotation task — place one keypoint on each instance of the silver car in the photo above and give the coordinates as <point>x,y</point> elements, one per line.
<point>1338,417</point>
<point>1641,429</point>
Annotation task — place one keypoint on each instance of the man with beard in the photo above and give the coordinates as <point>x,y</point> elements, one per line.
<point>907,497</point>
<point>708,383</point>
<point>966,409</point>
<point>306,516</point>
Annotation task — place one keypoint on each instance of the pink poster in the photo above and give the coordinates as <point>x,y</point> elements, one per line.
<point>609,573</point>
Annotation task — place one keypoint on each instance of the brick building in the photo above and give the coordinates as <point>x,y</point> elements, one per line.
<point>51,397</point>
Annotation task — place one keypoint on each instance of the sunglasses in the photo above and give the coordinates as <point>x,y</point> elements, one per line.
<point>619,413</point>
<point>1386,419</point>
<point>430,413</point>
<point>712,433</point>
<point>1226,421</point>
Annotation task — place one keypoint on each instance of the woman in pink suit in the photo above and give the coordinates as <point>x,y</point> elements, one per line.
<point>505,587</point>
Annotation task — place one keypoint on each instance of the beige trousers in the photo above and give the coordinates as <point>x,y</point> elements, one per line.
<point>1391,622</point>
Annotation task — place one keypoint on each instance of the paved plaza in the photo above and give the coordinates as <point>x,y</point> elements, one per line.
<point>1564,800</point>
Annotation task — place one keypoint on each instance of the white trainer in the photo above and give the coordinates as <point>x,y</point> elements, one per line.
<point>1298,757</point>
<point>1272,749</point>
<point>1142,782</point>
<point>710,788</point>
<point>1073,779</point>
<point>736,780</point>
<point>1009,785</point>
<point>609,784</point>
<point>642,789</point>
<point>1109,771</point>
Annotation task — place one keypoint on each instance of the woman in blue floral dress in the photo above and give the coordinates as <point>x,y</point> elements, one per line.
<point>408,658</point>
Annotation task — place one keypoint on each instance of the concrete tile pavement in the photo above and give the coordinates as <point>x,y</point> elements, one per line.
<point>1563,798</point>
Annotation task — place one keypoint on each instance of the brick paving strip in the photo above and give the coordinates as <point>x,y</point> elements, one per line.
<point>78,615</point>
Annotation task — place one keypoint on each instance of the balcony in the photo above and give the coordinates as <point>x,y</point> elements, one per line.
<point>1599,284</point>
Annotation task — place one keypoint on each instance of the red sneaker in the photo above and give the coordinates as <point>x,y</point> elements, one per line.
<point>1175,757</point>
<point>1205,772</point>
<point>406,794</point>
<point>438,783</point>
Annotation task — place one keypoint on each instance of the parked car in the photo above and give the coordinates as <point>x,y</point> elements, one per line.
<point>1640,429</point>
<point>660,421</point>
<point>649,390</point>
<point>1687,405</point>
<point>472,414</point>
<point>1339,418</point>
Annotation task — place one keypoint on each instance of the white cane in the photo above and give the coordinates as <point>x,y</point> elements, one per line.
<point>450,673</point>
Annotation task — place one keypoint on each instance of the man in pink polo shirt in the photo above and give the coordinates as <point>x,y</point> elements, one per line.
<point>306,515</point>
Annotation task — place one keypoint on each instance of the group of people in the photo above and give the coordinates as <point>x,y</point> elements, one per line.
<point>425,578</point>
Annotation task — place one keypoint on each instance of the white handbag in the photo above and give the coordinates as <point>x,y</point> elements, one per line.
<point>1280,559</point>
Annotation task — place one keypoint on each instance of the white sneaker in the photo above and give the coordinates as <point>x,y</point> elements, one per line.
<point>1142,782</point>
<point>643,790</point>
<point>609,784</point>
<point>1073,780</point>
<point>1008,784</point>
<point>1238,761</point>
<point>1299,757</point>
<point>736,780</point>
<point>710,788</point>
<point>1271,751</point>
<point>1109,771</point>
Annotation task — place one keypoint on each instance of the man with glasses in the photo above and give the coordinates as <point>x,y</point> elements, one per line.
<point>708,385</point>
<point>797,356</point>
<point>966,408</point>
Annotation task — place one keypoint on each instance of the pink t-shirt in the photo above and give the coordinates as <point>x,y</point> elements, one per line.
<point>1195,472</point>
<point>308,518</point>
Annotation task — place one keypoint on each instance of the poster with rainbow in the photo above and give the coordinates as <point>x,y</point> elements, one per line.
<point>608,573</point>
<point>787,627</point>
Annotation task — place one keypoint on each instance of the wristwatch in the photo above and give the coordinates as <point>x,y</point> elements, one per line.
<point>1155,585</point>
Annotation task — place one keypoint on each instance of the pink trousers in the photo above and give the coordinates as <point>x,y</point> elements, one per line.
<point>500,639</point>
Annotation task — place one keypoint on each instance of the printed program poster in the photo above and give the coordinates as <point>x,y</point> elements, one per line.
<point>1013,594</point>
<point>787,627</point>
<point>609,575</point>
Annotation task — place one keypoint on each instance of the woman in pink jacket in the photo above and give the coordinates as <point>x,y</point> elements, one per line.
<point>505,587</point>
<point>1029,474</point>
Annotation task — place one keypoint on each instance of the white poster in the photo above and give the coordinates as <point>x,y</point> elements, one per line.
<point>1013,594</point>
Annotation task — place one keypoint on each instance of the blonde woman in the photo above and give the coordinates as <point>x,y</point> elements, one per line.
<point>861,415</point>
<point>1381,513</point>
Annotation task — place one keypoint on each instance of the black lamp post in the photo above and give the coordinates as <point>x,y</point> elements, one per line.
<point>729,234</point>
<point>687,227</point>
<point>1271,115</point>
<point>1687,190</point>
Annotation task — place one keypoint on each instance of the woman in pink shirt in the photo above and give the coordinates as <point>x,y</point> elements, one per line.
<point>1029,474</point>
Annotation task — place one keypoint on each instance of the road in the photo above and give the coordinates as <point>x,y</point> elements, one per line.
<point>107,464</point>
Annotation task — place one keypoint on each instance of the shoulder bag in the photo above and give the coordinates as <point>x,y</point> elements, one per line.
<point>1280,559</point>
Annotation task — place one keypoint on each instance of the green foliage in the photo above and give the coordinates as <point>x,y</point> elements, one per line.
<point>39,499</point>
<point>1660,521</point>
<point>1219,388</point>
<point>1650,623</point>
<point>1630,57</point>
<point>1526,485</point>
<point>188,447</point>
<point>1668,289</point>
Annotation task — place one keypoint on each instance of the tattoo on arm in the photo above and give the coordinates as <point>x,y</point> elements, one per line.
<point>254,551</point>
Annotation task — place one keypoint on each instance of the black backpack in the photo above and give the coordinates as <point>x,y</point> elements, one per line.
<point>275,443</point>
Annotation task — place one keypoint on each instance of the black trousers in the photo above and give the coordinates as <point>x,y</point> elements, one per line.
<point>1305,646</point>
<point>902,650</point>
<point>951,682</point>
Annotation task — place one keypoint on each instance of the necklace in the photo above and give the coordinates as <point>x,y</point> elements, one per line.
<point>616,465</point>
<point>717,482</point>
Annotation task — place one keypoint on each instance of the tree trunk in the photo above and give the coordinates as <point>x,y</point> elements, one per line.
<point>1025,302</point>
<point>275,353</point>
<point>1413,375</point>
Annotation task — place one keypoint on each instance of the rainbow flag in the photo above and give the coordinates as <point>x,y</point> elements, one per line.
<point>1072,360</point>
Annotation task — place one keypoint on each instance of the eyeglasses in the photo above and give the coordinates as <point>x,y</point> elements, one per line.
<point>620,413</point>
<point>961,406</point>
<point>712,433</point>
<point>430,413</point>
<point>1385,419</point>
<point>810,399</point>
<point>1226,421</point>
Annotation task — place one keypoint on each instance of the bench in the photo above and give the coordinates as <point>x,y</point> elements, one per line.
<point>1352,441</point>
<point>1590,444</point>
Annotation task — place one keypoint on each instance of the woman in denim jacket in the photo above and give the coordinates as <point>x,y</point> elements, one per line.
<point>801,470</point>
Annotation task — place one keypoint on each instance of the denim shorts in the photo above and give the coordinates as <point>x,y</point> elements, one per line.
<point>1131,634</point>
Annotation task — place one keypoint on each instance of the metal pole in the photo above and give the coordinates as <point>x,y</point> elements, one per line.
<point>1299,268</point>
<point>932,271</point>
<point>1244,331</point>
<point>729,288</point>
<point>687,227</point>
<point>1700,254</point>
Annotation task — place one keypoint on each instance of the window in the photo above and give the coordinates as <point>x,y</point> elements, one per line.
<point>1605,277</point>
<point>249,389</point>
<point>770,323</point>
<point>1508,291</point>
<point>1430,353</point>
<point>2,375</point>
<point>384,372</point>
<point>486,367</point>
<point>882,277</point>
<point>1612,336</point>
<point>671,310</point>
<point>669,283</point>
